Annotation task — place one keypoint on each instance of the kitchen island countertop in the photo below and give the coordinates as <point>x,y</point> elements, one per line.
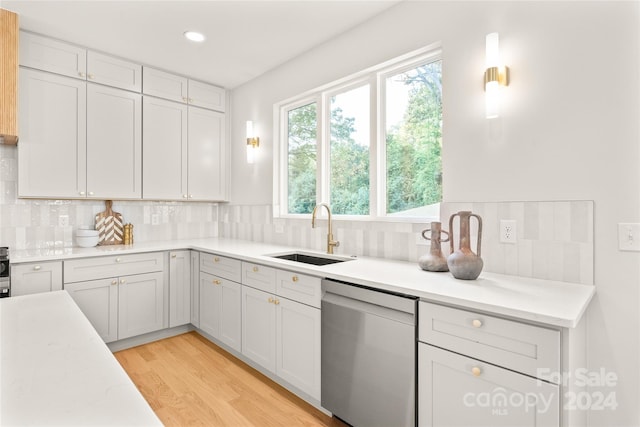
<point>553,303</point>
<point>56,370</point>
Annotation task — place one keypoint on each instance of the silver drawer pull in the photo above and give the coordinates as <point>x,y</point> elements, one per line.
<point>118,259</point>
<point>477,323</point>
<point>122,281</point>
<point>476,371</point>
<point>37,267</point>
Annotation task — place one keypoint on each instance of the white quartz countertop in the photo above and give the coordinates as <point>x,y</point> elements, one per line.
<point>56,370</point>
<point>553,303</point>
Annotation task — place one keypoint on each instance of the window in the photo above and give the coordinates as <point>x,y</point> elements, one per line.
<point>370,145</point>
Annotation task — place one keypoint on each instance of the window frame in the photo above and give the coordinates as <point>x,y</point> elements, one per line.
<point>375,77</point>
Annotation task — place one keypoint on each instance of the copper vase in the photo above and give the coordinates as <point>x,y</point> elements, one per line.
<point>434,260</point>
<point>463,262</point>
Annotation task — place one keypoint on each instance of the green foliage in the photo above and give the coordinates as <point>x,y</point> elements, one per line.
<point>413,153</point>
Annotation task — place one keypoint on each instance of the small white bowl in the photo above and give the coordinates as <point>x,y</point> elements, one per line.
<point>86,232</point>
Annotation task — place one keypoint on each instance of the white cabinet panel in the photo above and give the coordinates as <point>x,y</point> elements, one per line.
<point>298,345</point>
<point>207,155</point>
<point>52,148</point>
<point>165,85</point>
<point>259,277</point>
<point>33,278</point>
<point>52,55</point>
<point>114,143</point>
<point>165,160</point>
<point>116,72</point>
<point>299,287</point>
<point>98,300</point>
<point>221,309</point>
<point>179,288</point>
<point>112,266</point>
<point>195,288</point>
<point>207,96</point>
<point>140,304</point>
<point>455,390</point>
<point>259,327</point>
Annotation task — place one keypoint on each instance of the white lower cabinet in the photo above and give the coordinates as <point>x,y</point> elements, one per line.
<point>34,278</point>
<point>455,390</point>
<point>220,309</point>
<point>122,307</point>
<point>482,370</point>
<point>283,336</point>
<point>179,288</point>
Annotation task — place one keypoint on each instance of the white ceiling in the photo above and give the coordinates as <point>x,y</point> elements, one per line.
<point>244,38</point>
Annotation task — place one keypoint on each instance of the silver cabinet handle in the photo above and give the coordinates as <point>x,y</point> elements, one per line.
<point>36,267</point>
<point>81,193</point>
<point>91,193</point>
<point>122,281</point>
<point>191,196</point>
<point>118,259</point>
<point>184,196</point>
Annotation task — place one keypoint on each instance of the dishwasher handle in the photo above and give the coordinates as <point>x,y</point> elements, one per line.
<point>367,307</point>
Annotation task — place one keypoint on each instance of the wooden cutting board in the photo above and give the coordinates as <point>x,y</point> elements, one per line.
<point>110,226</point>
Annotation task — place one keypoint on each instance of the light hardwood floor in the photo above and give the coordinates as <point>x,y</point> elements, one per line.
<point>188,381</point>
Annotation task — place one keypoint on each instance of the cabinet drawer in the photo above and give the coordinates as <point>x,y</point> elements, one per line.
<point>298,287</point>
<point>227,268</point>
<point>259,277</point>
<point>34,278</point>
<point>513,345</point>
<point>112,266</point>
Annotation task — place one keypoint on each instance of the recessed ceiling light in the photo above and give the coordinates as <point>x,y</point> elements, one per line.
<point>194,36</point>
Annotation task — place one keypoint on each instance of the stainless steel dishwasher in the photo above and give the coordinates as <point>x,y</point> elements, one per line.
<point>368,355</point>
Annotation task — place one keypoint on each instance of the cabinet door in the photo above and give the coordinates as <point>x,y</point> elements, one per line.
<point>207,155</point>
<point>259,327</point>
<point>195,288</point>
<point>210,297</point>
<point>179,288</point>
<point>164,85</point>
<point>164,143</point>
<point>140,304</point>
<point>52,55</point>
<point>98,300</point>
<point>52,149</point>
<point>455,390</point>
<point>111,71</point>
<point>231,314</point>
<point>207,96</point>
<point>34,278</point>
<point>114,143</point>
<point>298,345</point>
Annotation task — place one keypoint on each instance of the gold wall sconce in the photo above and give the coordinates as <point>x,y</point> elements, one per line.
<point>253,142</point>
<point>495,76</point>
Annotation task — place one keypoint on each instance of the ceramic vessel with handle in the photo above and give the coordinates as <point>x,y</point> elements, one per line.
<point>463,262</point>
<point>434,260</point>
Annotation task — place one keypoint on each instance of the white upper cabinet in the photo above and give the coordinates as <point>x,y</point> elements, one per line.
<point>207,96</point>
<point>52,55</point>
<point>116,72</point>
<point>207,154</point>
<point>165,161</point>
<point>53,132</point>
<point>114,143</point>
<point>165,85</point>
<point>181,89</point>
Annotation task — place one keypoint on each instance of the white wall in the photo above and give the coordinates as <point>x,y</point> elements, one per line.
<point>569,131</point>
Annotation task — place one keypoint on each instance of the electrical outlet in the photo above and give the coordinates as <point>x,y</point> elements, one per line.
<point>629,237</point>
<point>508,231</point>
<point>155,219</point>
<point>63,221</point>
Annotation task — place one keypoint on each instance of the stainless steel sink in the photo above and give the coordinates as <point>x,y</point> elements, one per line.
<point>308,258</point>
